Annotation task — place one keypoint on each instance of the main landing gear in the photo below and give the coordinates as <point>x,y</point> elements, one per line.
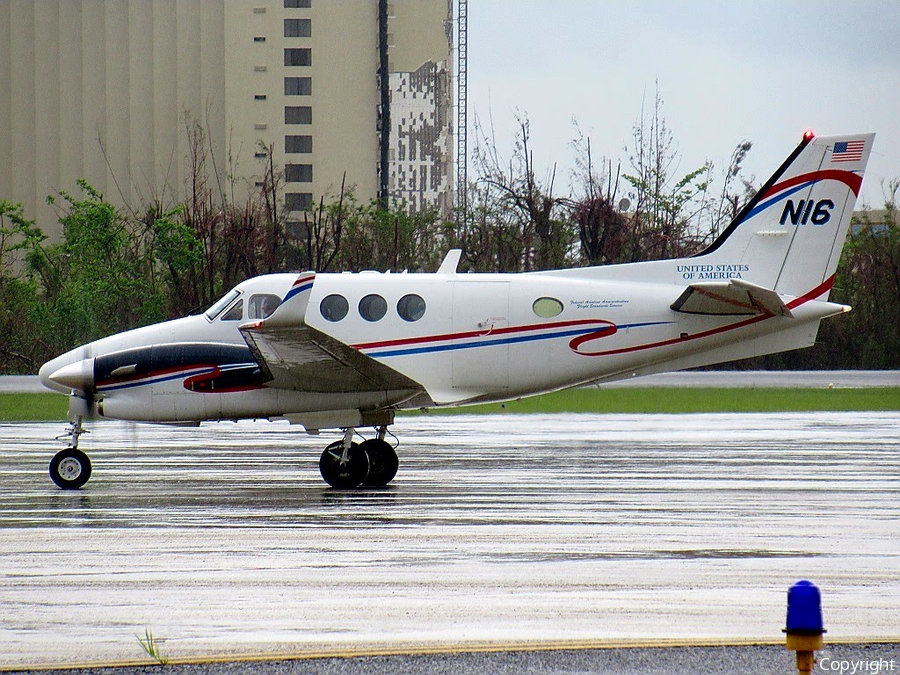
<point>71,468</point>
<point>372,463</point>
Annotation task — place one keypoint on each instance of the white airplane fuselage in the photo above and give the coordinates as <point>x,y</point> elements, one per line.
<point>478,340</point>
<point>343,351</point>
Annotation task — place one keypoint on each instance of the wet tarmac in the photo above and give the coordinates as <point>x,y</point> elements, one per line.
<point>562,530</point>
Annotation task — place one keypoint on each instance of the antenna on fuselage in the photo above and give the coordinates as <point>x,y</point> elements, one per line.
<point>451,261</point>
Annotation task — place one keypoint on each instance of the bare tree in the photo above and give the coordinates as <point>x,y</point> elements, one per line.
<point>529,203</point>
<point>729,200</point>
<point>602,229</point>
<point>663,206</point>
<point>324,228</point>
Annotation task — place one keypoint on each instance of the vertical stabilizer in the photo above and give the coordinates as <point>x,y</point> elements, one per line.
<point>790,235</point>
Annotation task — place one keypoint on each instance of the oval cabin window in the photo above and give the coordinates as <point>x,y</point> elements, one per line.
<point>411,307</point>
<point>547,308</point>
<point>372,307</point>
<point>334,307</point>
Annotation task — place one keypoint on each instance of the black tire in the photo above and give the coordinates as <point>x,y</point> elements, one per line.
<point>348,475</point>
<point>383,462</point>
<point>70,469</point>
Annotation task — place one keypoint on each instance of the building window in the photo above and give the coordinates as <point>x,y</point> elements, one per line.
<point>297,86</point>
<point>297,4</point>
<point>298,201</point>
<point>298,114</point>
<point>297,144</point>
<point>297,28</point>
<point>298,173</point>
<point>259,38</point>
<point>261,154</point>
<point>259,97</point>
<point>298,56</point>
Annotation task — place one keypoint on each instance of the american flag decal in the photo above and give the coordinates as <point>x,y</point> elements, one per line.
<point>848,151</point>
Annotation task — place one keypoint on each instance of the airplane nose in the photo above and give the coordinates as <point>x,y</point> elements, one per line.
<point>78,375</point>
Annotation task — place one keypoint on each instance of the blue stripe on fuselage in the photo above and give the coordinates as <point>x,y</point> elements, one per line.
<point>432,349</point>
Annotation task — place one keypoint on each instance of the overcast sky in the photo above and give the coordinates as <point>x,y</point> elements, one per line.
<point>727,71</point>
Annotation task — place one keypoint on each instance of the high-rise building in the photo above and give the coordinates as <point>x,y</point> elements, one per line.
<point>337,91</point>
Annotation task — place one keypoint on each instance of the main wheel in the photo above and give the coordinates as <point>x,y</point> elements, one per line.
<point>70,469</point>
<point>383,462</point>
<point>344,475</point>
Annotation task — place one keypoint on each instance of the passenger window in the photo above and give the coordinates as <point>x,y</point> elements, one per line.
<point>547,308</point>
<point>372,307</point>
<point>236,313</point>
<point>411,307</point>
<point>334,307</point>
<point>262,305</point>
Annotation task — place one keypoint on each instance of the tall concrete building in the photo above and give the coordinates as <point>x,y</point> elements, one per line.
<point>105,90</point>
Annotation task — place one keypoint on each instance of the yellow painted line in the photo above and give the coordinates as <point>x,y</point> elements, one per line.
<point>430,649</point>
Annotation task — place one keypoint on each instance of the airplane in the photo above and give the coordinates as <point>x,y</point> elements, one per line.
<point>348,350</point>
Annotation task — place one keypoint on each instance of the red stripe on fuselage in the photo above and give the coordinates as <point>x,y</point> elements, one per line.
<point>478,333</point>
<point>117,381</point>
<point>796,302</point>
<point>824,287</point>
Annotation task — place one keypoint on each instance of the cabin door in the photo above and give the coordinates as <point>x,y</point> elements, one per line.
<point>481,353</point>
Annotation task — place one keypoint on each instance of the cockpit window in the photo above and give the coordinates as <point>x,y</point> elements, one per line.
<point>236,313</point>
<point>262,305</point>
<point>221,304</point>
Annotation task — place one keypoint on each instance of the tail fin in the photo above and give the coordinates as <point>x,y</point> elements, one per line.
<point>790,235</point>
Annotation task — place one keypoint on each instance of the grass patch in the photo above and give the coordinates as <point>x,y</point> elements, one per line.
<point>694,400</point>
<point>152,646</point>
<point>53,407</point>
<point>33,407</point>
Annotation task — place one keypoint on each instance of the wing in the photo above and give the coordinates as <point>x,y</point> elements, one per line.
<point>733,297</point>
<point>294,355</point>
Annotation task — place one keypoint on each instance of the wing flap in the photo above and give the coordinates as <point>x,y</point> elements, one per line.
<point>305,359</point>
<point>294,355</point>
<point>734,297</point>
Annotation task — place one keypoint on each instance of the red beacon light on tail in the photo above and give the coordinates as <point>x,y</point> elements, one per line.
<point>808,135</point>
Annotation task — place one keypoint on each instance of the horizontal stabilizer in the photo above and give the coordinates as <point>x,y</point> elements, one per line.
<point>734,298</point>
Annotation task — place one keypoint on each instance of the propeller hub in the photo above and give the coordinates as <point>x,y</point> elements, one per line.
<point>78,376</point>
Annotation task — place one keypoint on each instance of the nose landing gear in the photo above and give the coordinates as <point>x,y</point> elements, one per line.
<point>71,468</point>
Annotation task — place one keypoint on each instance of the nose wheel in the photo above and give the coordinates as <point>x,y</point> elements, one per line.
<point>70,469</point>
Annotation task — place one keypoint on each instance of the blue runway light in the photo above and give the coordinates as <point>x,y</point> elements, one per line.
<point>804,625</point>
<point>804,608</point>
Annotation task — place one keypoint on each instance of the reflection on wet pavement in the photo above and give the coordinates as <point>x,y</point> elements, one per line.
<point>560,527</point>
